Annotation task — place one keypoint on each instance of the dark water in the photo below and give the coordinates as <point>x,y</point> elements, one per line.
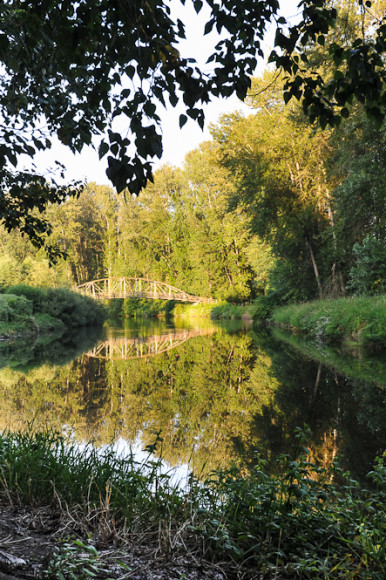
<point>216,393</point>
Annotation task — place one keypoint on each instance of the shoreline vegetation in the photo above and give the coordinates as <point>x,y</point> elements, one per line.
<point>28,312</point>
<point>352,322</point>
<point>355,322</point>
<point>305,519</point>
<point>300,520</point>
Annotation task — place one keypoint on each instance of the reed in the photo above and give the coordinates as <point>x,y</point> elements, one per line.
<point>298,523</point>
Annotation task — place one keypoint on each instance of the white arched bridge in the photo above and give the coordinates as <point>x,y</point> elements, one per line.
<point>123,287</point>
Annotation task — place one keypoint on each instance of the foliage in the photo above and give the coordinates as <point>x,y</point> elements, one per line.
<point>278,164</point>
<point>264,306</point>
<point>298,521</point>
<point>368,274</point>
<point>73,309</point>
<point>52,308</point>
<point>357,173</point>
<point>233,311</point>
<point>354,60</point>
<point>74,560</point>
<point>13,307</point>
<point>361,320</point>
<point>191,311</point>
<point>127,62</point>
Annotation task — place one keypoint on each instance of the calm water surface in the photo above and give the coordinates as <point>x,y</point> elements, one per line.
<point>217,393</point>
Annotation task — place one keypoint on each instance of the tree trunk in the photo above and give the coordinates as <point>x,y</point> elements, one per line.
<point>316,271</point>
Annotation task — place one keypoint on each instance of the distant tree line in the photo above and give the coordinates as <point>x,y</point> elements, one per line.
<point>272,205</point>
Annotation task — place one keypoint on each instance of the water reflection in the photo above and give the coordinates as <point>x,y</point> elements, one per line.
<point>221,395</point>
<point>143,346</point>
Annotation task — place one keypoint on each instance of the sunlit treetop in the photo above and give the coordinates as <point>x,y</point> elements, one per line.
<point>101,68</point>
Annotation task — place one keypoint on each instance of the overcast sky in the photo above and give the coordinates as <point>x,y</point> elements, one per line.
<point>176,142</point>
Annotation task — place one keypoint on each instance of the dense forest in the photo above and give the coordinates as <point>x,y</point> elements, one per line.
<point>272,205</point>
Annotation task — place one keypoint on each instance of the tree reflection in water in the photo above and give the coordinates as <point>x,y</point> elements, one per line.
<point>217,397</point>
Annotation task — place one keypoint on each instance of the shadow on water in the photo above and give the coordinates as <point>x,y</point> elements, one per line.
<point>218,393</point>
<point>55,349</point>
<point>342,399</point>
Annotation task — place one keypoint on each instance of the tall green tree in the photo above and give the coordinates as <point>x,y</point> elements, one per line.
<point>79,230</point>
<point>278,162</point>
<point>358,170</point>
<point>79,70</point>
<point>218,238</point>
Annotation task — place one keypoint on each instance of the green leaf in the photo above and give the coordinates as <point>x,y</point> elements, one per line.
<point>198,4</point>
<point>103,149</point>
<point>183,119</point>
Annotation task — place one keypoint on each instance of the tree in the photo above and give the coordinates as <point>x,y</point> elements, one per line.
<point>358,172</point>
<point>79,70</point>
<point>278,163</point>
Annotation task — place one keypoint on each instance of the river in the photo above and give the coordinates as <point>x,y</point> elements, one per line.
<point>217,393</point>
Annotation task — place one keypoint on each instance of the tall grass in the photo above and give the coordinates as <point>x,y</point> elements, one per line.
<point>296,524</point>
<point>360,320</point>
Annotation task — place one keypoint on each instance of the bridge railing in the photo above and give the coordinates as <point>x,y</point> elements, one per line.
<point>108,288</point>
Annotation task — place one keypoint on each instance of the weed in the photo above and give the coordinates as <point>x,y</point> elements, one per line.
<point>298,522</point>
<point>74,560</point>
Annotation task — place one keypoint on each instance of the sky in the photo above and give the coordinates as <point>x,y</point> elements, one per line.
<point>176,142</point>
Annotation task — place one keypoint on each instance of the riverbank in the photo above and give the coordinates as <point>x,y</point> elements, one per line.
<point>355,322</point>
<point>27,312</point>
<point>105,508</point>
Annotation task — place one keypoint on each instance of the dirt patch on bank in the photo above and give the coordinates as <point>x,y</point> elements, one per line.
<point>34,541</point>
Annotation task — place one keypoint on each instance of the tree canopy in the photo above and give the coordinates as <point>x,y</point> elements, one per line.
<point>99,69</point>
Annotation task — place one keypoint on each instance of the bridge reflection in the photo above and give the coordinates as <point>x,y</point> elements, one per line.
<point>141,347</point>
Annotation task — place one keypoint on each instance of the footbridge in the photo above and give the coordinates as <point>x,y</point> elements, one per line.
<point>108,288</point>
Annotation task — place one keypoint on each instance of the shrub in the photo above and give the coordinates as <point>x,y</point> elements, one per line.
<point>14,307</point>
<point>368,275</point>
<point>264,306</point>
<point>73,309</point>
<point>34,295</point>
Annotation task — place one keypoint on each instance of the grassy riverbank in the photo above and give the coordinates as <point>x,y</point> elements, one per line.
<point>298,523</point>
<point>357,321</point>
<point>28,312</point>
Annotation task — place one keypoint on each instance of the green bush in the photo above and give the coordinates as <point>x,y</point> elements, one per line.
<point>32,294</point>
<point>114,308</point>
<point>368,275</point>
<point>73,309</point>
<point>143,308</point>
<point>13,308</point>
<point>226,310</point>
<point>47,323</point>
<point>188,311</point>
<point>264,306</point>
